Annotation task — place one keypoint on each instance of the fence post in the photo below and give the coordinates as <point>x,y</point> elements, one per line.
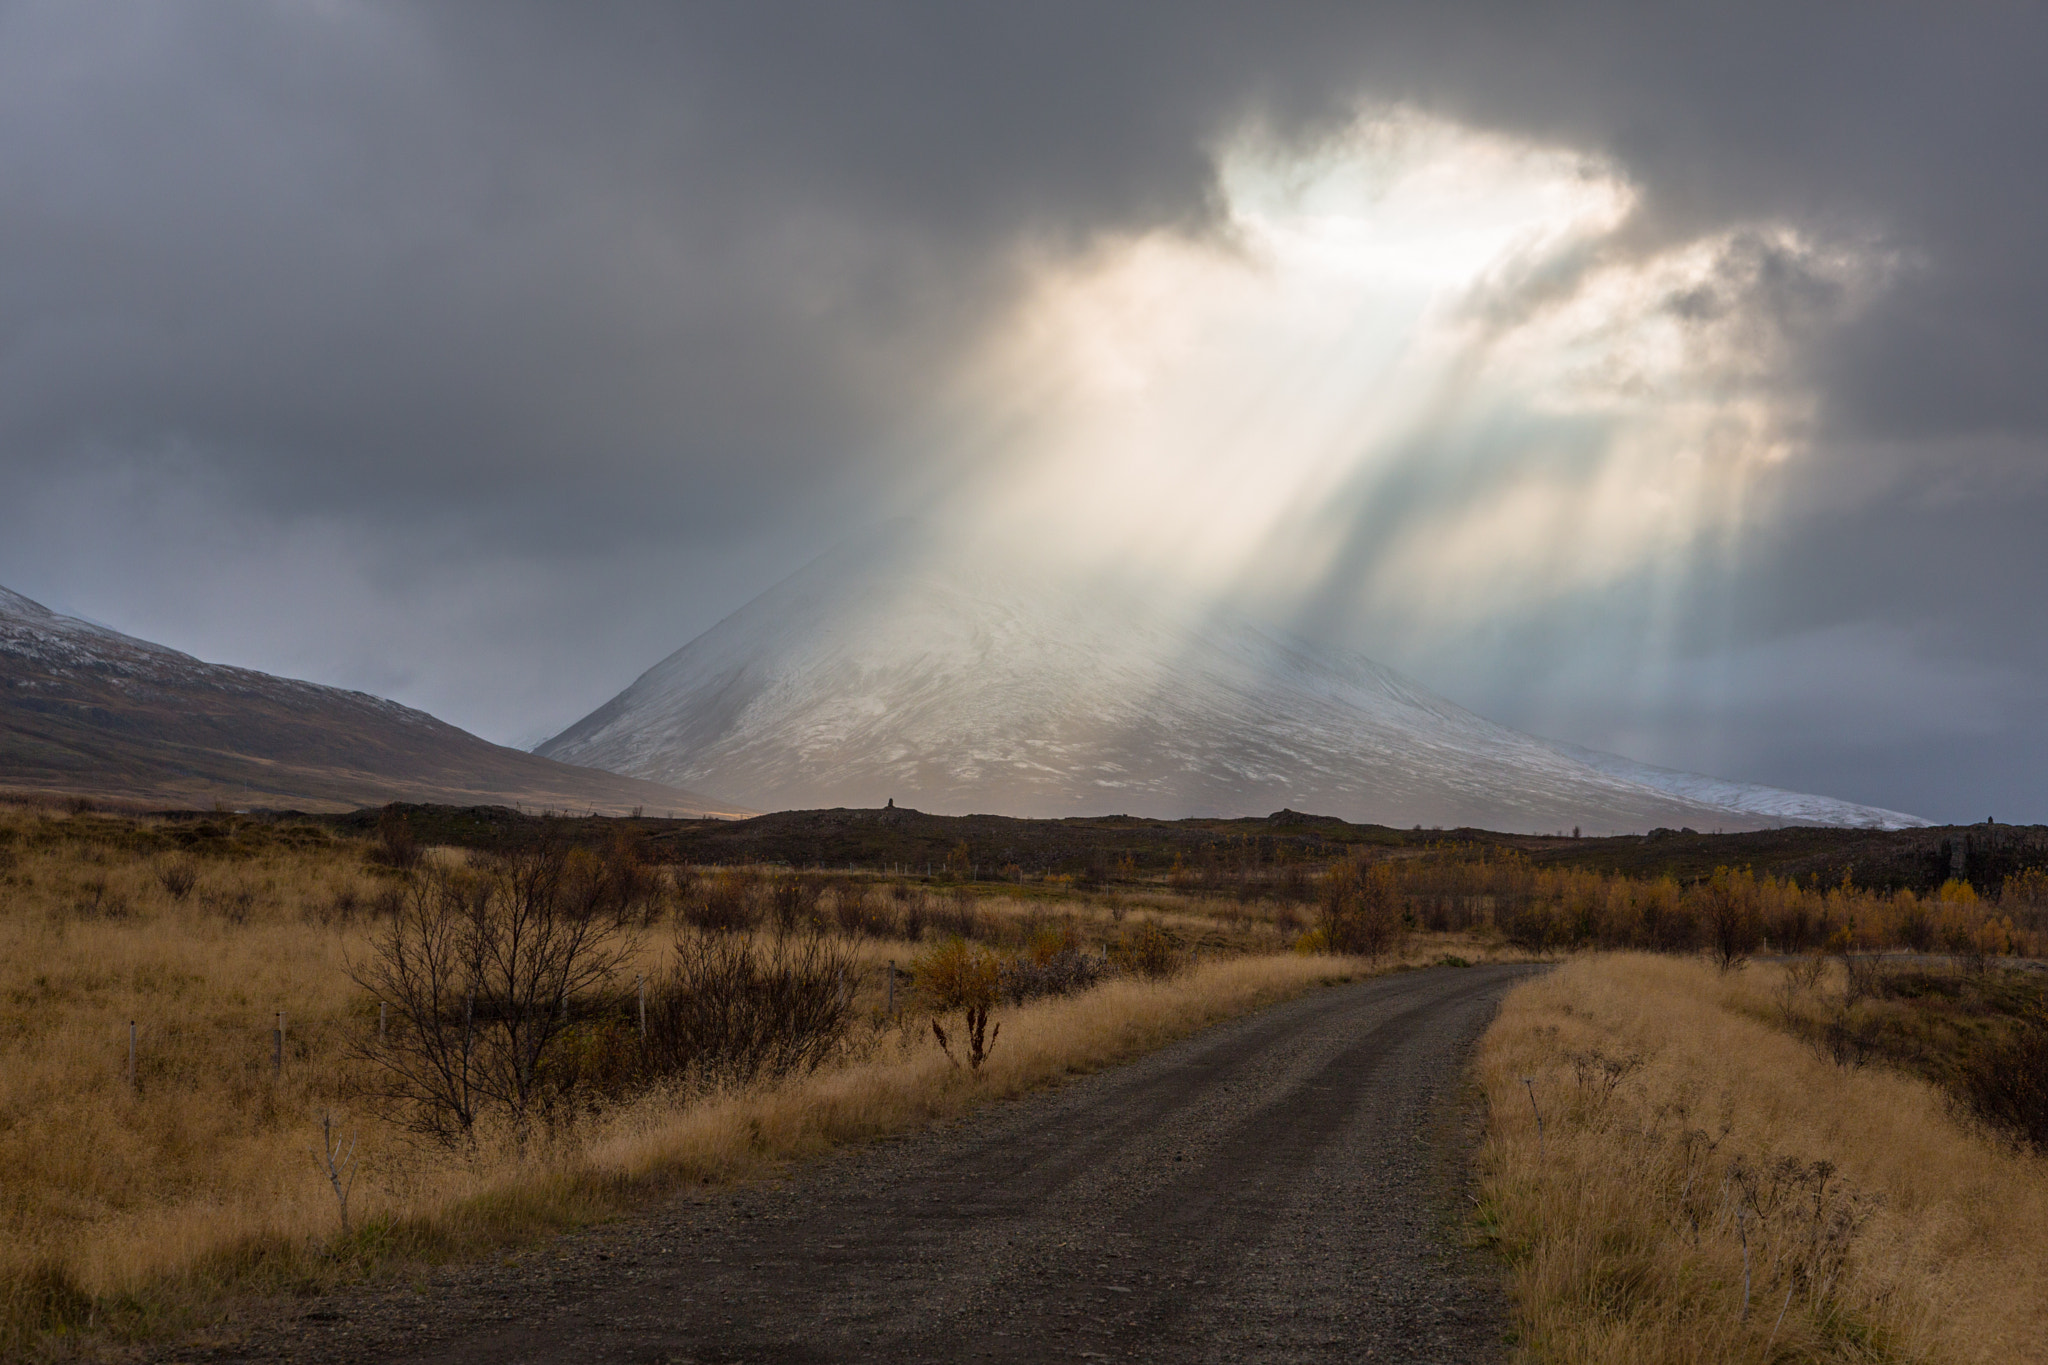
<point>131,1054</point>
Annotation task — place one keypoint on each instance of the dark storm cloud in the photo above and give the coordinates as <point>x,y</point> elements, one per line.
<point>544,313</point>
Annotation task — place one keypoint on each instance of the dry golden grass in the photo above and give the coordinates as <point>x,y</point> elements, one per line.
<point>1673,1113</point>
<point>134,1206</point>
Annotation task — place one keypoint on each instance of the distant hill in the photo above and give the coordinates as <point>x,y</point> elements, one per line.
<point>1217,853</point>
<point>961,684</point>
<point>90,711</point>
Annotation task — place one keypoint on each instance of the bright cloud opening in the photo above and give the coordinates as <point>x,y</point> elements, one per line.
<point>1419,366</point>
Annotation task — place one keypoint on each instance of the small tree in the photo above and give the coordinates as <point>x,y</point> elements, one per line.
<point>1361,911</point>
<point>1732,917</point>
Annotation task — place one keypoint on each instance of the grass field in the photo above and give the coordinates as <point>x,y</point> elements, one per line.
<point>130,1200</point>
<point>1777,1162</point>
<point>1678,1170</point>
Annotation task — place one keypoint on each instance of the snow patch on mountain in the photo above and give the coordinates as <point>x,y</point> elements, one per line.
<point>959,685</point>
<point>62,647</point>
<point>1782,807</point>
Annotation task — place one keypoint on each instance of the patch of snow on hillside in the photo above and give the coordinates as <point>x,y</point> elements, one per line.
<point>964,685</point>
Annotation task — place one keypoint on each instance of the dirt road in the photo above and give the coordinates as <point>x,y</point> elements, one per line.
<point>1279,1188</point>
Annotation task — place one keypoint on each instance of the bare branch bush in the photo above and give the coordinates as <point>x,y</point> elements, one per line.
<point>1734,921</point>
<point>955,917</point>
<point>479,966</point>
<point>177,875</point>
<point>732,1009</point>
<point>858,911</point>
<point>793,902</point>
<point>915,913</point>
<point>725,903</point>
<point>395,847</point>
<point>1052,964</point>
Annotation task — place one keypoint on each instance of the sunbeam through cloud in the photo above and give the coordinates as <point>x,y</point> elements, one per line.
<point>1412,369</point>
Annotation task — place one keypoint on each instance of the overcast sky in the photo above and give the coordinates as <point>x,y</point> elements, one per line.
<point>479,356</point>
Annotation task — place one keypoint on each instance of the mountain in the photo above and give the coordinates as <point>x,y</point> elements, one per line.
<point>956,685</point>
<point>89,711</point>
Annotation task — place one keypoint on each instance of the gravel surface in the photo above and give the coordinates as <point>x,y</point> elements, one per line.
<point>1285,1187</point>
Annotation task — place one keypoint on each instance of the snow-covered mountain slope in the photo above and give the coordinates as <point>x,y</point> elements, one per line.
<point>960,687</point>
<point>85,710</point>
<point>1775,805</point>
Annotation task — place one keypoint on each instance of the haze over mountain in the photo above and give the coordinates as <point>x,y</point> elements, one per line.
<point>85,710</point>
<point>972,683</point>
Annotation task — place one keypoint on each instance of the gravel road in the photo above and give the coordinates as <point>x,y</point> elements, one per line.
<point>1284,1187</point>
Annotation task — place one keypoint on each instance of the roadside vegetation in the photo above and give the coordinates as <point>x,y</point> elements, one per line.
<point>265,1054</point>
<point>253,1055</point>
<point>1821,1159</point>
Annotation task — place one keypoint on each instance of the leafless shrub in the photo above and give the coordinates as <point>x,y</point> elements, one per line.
<point>1063,973</point>
<point>1806,970</point>
<point>1596,1076</point>
<point>793,903</point>
<point>725,903</point>
<point>395,846</point>
<point>855,909</point>
<point>98,900</point>
<point>177,876</point>
<point>343,907</point>
<point>1293,887</point>
<point>478,967</point>
<point>232,903</point>
<point>732,1010</point>
<point>1733,919</point>
<point>1841,1041</point>
<point>2006,1084</point>
<point>615,883</point>
<point>915,913</point>
<point>954,917</point>
<point>1862,977</point>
